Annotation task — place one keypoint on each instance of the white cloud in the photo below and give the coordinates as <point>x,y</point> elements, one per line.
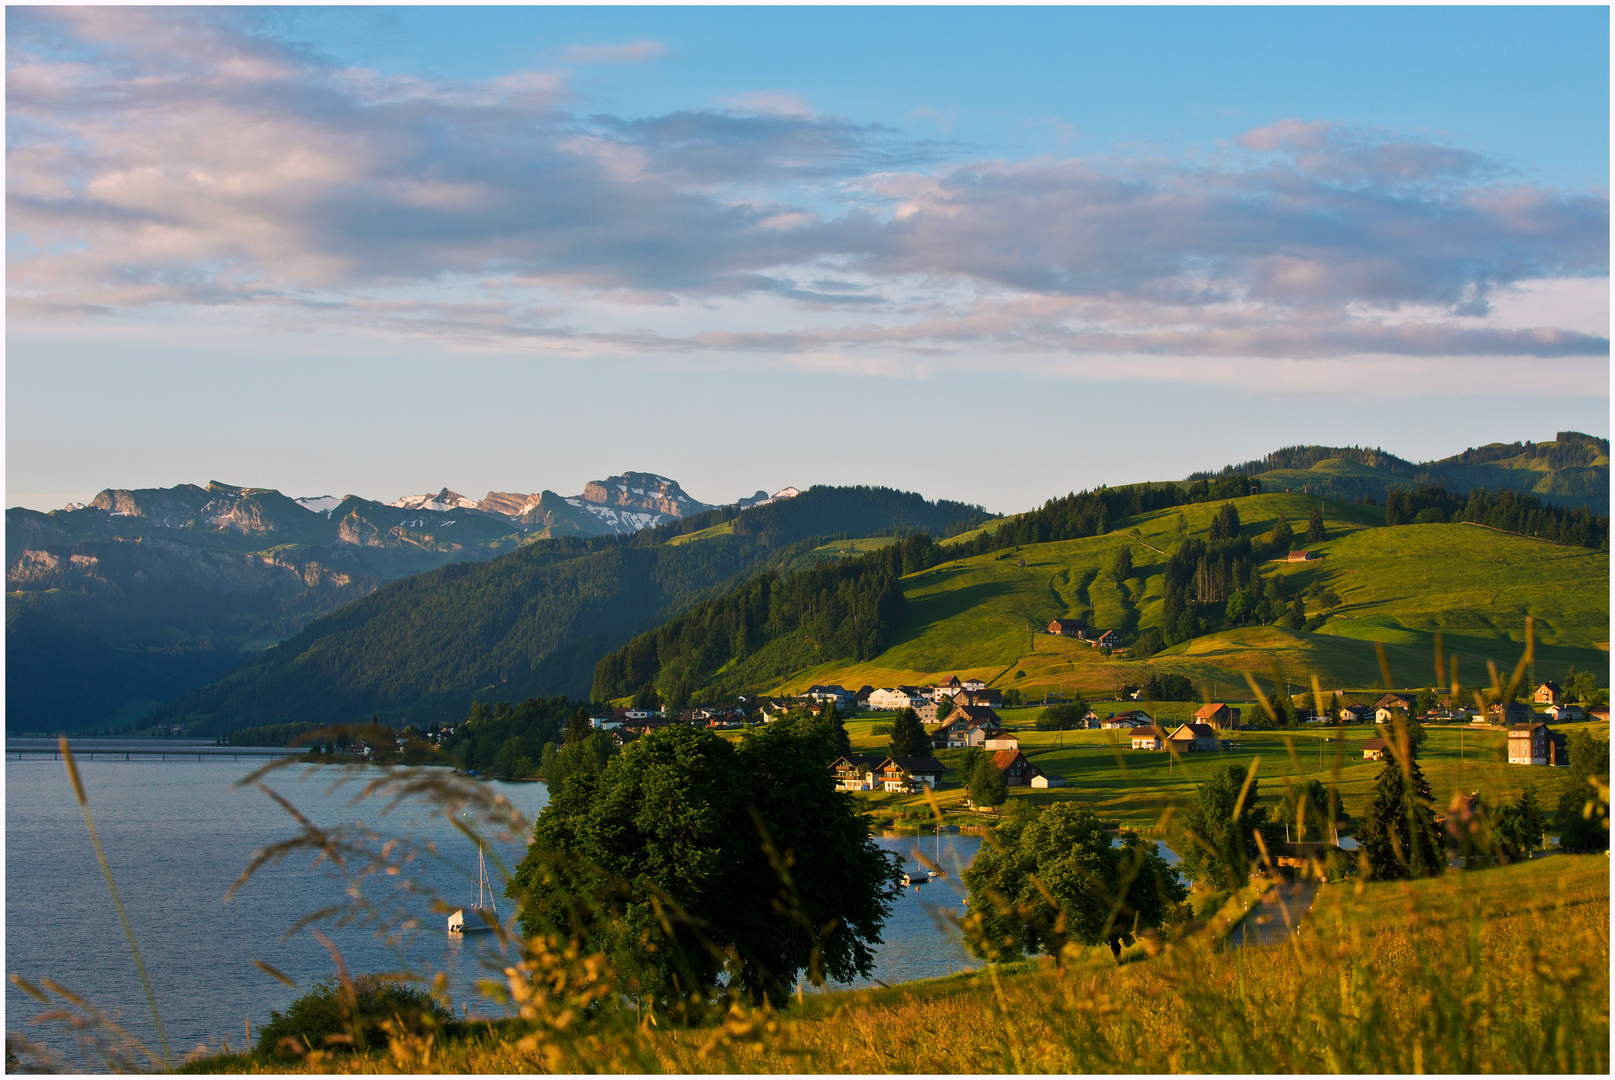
<point>632,52</point>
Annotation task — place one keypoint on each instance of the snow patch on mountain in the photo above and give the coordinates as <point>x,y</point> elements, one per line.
<point>442,502</point>
<point>319,504</point>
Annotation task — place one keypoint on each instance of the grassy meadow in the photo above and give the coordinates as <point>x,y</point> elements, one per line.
<point>1103,774</point>
<point>1503,970</point>
<point>980,616</point>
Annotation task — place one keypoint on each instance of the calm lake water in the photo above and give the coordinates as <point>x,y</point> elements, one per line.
<point>177,835</point>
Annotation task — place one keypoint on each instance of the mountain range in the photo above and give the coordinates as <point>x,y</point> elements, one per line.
<point>119,604</point>
<point>340,607</point>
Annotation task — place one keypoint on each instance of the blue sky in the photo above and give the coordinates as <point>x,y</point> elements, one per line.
<point>985,254</point>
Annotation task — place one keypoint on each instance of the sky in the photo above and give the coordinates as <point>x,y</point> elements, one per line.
<point>985,254</point>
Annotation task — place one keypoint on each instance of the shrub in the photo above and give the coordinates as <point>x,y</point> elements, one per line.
<point>334,1017</point>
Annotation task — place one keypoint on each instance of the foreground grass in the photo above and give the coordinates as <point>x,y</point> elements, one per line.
<point>1501,970</point>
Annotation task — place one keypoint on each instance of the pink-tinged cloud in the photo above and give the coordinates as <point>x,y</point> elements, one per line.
<point>631,52</point>
<point>173,157</point>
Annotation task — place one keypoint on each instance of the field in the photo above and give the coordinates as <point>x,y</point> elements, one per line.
<point>1503,970</point>
<point>1136,787</point>
<point>981,616</point>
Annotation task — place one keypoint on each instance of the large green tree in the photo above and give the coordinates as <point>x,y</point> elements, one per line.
<point>987,785</point>
<point>1398,835</point>
<point>1217,830</point>
<point>695,863</point>
<point>1583,817</point>
<point>908,735</point>
<point>1100,893</point>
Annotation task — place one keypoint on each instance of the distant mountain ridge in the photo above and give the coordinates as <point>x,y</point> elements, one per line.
<point>182,583</point>
<point>1572,470</point>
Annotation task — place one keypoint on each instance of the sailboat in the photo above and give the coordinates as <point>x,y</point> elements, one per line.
<point>938,872</point>
<point>482,918</point>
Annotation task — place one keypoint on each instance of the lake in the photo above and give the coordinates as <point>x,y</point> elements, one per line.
<point>177,834</point>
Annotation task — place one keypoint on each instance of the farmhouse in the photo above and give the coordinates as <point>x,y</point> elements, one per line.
<point>1395,701</point>
<point>1067,627</point>
<point>1514,712</point>
<point>855,772</point>
<point>957,733</point>
<point>1374,750</point>
<point>1217,715</point>
<point>843,698</point>
<point>1565,712</point>
<point>1105,639</point>
<point>901,697</point>
<point>1547,694</point>
<point>1194,737</point>
<point>1529,744</point>
<point>979,714</point>
<point>1147,738</point>
<point>1300,556</point>
<point>1018,772</point>
<point>1355,714</point>
<point>1134,718</point>
<point>1001,740</point>
<point>909,774</point>
<point>862,697</point>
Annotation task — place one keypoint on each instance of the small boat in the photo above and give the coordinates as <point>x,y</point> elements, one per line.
<point>916,882</point>
<point>482,919</point>
<point>938,872</point>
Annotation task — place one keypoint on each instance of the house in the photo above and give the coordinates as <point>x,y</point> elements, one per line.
<point>609,722</point>
<point>843,698</point>
<point>958,732</point>
<point>1599,712</point>
<point>856,772</point>
<point>1547,694</point>
<point>1128,692</point>
<point>1374,750</point>
<point>1001,740</point>
<point>1018,772</point>
<point>1511,713</point>
<point>972,686</point>
<point>1385,714</point>
<point>1395,701</point>
<point>1105,639</point>
<point>978,714</point>
<point>1147,738</point>
<point>1124,722</point>
<point>861,699</point>
<point>1067,627</point>
<point>1090,721</point>
<point>928,713</point>
<point>949,688</point>
<point>1193,737</point>
<point>988,697</point>
<point>900,697</point>
<point>909,774</point>
<point>1218,715</point>
<point>1047,780</point>
<point>1300,556</point>
<point>1530,744</point>
<point>1355,714</point>
<point>1565,713</point>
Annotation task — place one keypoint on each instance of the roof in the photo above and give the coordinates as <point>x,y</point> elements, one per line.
<point>917,764</point>
<point>1196,731</point>
<point>1209,709</point>
<point>867,760</point>
<point>1524,729</point>
<point>1063,623</point>
<point>975,712</point>
<point>1550,684</point>
<point>1374,744</point>
<point>1003,759</point>
<point>1146,732</point>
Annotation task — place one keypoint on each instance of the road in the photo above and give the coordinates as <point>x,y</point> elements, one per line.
<point>1276,915</point>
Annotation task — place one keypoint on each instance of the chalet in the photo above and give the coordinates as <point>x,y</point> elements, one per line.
<point>856,772</point>
<point>1300,556</point>
<point>1018,772</point>
<point>1091,721</point>
<point>1374,750</point>
<point>1530,744</point>
<point>1547,694</point>
<point>949,688</point>
<point>636,714</point>
<point>928,713</point>
<point>1193,737</point>
<point>978,714</point>
<point>957,733</point>
<point>972,686</point>
<point>861,699</point>
<point>1067,627</point>
<point>1355,714</point>
<point>1218,715</point>
<point>989,697</point>
<point>1134,718</point>
<point>1395,701</point>
<point>1385,714</point>
<point>909,774</point>
<point>1565,713</point>
<point>1148,738</point>
<point>1105,639</point>
<point>609,722</point>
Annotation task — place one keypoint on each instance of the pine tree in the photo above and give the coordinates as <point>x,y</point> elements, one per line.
<point>578,727</point>
<point>1282,538</point>
<point>1399,835</point>
<point>1315,525</point>
<point>908,735</point>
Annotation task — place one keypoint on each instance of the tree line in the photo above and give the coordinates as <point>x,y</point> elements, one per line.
<point>1510,511</point>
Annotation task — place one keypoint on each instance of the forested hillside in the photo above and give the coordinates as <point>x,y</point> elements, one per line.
<point>529,624</point>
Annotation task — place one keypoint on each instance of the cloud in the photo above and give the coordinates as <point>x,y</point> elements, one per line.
<point>178,158</point>
<point>632,52</point>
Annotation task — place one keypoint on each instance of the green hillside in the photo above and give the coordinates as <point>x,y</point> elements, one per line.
<point>979,615</point>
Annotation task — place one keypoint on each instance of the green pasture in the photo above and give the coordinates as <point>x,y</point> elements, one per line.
<point>982,615</point>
